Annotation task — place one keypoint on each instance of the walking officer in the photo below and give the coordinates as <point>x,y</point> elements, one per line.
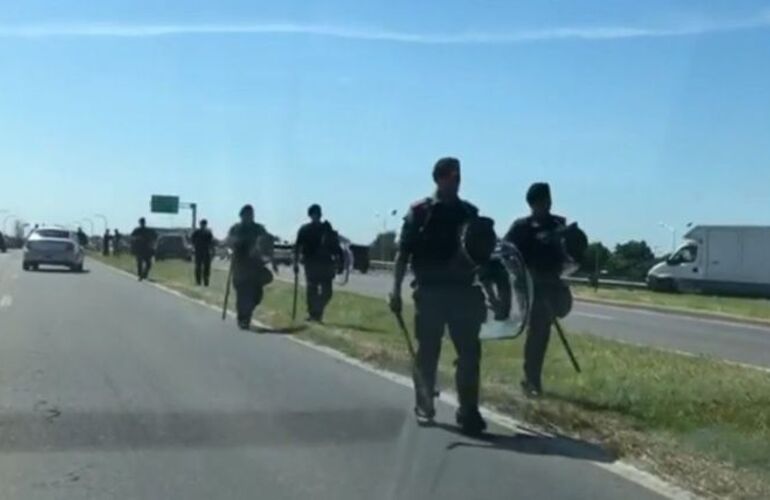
<point>252,248</point>
<point>445,294</point>
<point>539,239</point>
<point>203,244</point>
<point>319,245</point>
<point>143,241</point>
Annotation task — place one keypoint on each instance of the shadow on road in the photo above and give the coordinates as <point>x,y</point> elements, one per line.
<point>532,443</point>
<point>49,429</point>
<point>289,330</point>
<point>58,270</point>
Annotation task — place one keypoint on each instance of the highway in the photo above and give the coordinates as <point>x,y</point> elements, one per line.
<point>748,344</point>
<point>111,388</point>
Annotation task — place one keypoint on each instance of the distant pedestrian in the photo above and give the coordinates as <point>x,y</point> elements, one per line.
<point>252,248</point>
<point>82,237</point>
<point>116,242</point>
<point>319,246</point>
<point>203,245</point>
<point>143,241</point>
<point>106,243</point>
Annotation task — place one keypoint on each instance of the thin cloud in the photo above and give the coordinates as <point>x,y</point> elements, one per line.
<point>116,30</point>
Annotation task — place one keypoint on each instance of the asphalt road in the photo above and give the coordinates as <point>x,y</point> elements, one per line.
<point>737,342</point>
<point>111,388</point>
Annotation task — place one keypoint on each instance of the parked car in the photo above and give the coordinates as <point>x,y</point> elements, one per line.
<point>173,246</point>
<point>52,246</point>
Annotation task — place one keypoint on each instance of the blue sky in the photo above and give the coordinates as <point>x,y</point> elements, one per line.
<point>636,112</point>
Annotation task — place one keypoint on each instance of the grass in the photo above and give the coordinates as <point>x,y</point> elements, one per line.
<point>701,422</point>
<point>727,306</point>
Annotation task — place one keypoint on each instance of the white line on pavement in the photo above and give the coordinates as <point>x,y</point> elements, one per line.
<point>6,301</point>
<point>593,315</point>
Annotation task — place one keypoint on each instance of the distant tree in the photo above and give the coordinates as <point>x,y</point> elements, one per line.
<point>631,260</point>
<point>384,247</point>
<point>594,250</point>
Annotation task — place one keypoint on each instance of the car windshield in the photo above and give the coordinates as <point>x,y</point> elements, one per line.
<point>386,249</point>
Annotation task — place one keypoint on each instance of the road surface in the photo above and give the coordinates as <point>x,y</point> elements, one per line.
<point>111,388</point>
<point>736,342</point>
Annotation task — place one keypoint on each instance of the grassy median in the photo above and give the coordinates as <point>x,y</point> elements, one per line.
<point>701,422</point>
<point>729,307</point>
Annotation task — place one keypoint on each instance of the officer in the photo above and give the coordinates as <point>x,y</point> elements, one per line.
<point>117,240</point>
<point>203,244</point>
<point>318,244</point>
<point>106,243</point>
<point>82,238</point>
<point>143,241</point>
<point>445,295</point>
<point>536,237</point>
<point>251,247</point>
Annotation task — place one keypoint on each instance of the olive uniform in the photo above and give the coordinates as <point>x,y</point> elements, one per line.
<point>544,257</point>
<point>203,242</point>
<point>143,246</point>
<point>319,246</point>
<point>248,267</point>
<point>445,296</point>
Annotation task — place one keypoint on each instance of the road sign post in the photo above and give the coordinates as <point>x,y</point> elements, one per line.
<point>165,204</point>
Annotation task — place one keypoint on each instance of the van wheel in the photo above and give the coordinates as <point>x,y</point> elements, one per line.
<point>25,267</point>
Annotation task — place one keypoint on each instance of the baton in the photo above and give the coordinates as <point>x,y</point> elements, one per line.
<point>227,290</point>
<point>294,303</point>
<point>410,347</point>
<point>566,345</point>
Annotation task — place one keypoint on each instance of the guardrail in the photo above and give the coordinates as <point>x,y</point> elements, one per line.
<point>382,265</point>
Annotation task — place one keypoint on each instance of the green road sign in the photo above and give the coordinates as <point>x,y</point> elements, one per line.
<point>164,204</point>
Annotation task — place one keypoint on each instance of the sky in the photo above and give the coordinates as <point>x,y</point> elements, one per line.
<point>636,113</point>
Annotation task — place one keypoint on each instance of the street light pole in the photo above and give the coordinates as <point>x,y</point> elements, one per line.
<point>104,219</point>
<point>5,221</point>
<point>90,223</point>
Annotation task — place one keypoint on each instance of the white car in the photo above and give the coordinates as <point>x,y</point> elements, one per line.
<point>53,246</point>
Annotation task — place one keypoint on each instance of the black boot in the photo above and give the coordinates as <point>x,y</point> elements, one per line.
<point>424,408</point>
<point>470,421</point>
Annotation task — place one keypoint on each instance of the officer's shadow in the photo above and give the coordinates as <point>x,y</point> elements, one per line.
<point>531,442</point>
<point>287,330</point>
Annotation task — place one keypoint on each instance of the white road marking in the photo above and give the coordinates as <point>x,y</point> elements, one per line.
<point>679,316</point>
<point>6,301</point>
<point>593,315</point>
<point>619,468</point>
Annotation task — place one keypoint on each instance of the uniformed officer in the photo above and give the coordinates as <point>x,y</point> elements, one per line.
<point>536,237</point>
<point>318,245</point>
<point>82,237</point>
<point>106,243</point>
<point>203,244</point>
<point>117,241</point>
<point>250,243</point>
<point>143,241</point>
<point>445,294</point>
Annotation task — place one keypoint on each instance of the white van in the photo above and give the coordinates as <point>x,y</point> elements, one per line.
<point>731,260</point>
